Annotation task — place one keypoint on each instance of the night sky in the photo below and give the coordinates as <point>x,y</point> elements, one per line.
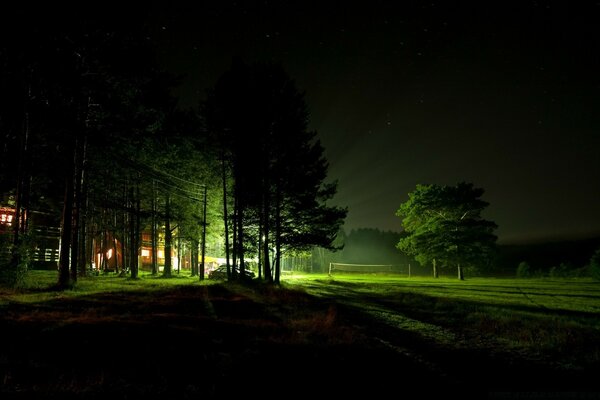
<point>400,93</point>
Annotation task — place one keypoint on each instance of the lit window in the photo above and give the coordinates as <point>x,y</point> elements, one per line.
<point>145,253</point>
<point>109,253</point>
<point>6,219</point>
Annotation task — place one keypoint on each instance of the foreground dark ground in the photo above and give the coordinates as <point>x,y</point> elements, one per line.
<point>226,341</point>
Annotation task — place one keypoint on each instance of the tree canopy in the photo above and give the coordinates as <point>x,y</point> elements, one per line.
<point>444,223</point>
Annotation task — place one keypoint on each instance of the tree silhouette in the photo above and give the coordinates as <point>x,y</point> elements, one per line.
<point>277,165</point>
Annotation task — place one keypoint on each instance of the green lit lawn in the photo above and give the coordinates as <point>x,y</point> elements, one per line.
<point>581,295</point>
<point>551,294</point>
<point>39,286</point>
<point>553,319</point>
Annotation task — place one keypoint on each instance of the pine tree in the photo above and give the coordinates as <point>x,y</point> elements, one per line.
<point>260,118</point>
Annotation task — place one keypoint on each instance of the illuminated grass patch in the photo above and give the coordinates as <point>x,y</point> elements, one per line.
<point>552,319</point>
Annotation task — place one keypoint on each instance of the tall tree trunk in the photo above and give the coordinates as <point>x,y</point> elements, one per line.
<point>67,220</point>
<point>435,270</point>
<point>103,246</point>
<point>83,254</point>
<point>22,179</point>
<point>131,216</point>
<point>136,233</point>
<point>168,237</point>
<point>461,274</point>
<point>89,240</point>
<point>277,236</point>
<point>79,156</point>
<point>260,245</point>
<point>193,253</point>
<point>266,259</point>
<point>138,229</point>
<point>82,198</point>
<point>154,230</point>
<point>240,239</point>
<point>225,216</point>
<point>234,246</point>
<point>179,254</point>
<point>194,256</point>
<point>124,215</point>
<point>202,264</point>
<point>115,247</point>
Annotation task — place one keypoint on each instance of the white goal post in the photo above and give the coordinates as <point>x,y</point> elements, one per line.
<point>360,268</point>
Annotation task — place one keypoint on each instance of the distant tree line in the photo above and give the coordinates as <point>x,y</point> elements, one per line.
<point>554,259</point>
<point>366,246</point>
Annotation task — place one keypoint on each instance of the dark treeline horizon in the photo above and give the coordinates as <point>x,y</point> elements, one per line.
<point>376,246</point>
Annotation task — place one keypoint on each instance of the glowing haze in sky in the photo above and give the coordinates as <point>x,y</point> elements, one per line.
<point>504,95</point>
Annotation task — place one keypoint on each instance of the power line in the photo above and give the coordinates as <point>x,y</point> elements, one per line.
<point>159,176</point>
<point>183,193</point>
<point>201,185</point>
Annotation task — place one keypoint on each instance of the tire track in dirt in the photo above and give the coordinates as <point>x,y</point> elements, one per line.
<point>530,299</point>
<point>360,303</point>
<point>477,364</point>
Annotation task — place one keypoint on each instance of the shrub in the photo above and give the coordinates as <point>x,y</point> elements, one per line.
<point>595,265</point>
<point>13,271</point>
<point>538,273</point>
<point>523,270</point>
<point>561,271</point>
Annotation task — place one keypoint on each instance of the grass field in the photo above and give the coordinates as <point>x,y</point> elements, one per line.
<point>531,315</point>
<point>315,335</point>
<point>577,295</point>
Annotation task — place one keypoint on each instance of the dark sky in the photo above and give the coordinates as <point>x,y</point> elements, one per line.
<point>407,92</point>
